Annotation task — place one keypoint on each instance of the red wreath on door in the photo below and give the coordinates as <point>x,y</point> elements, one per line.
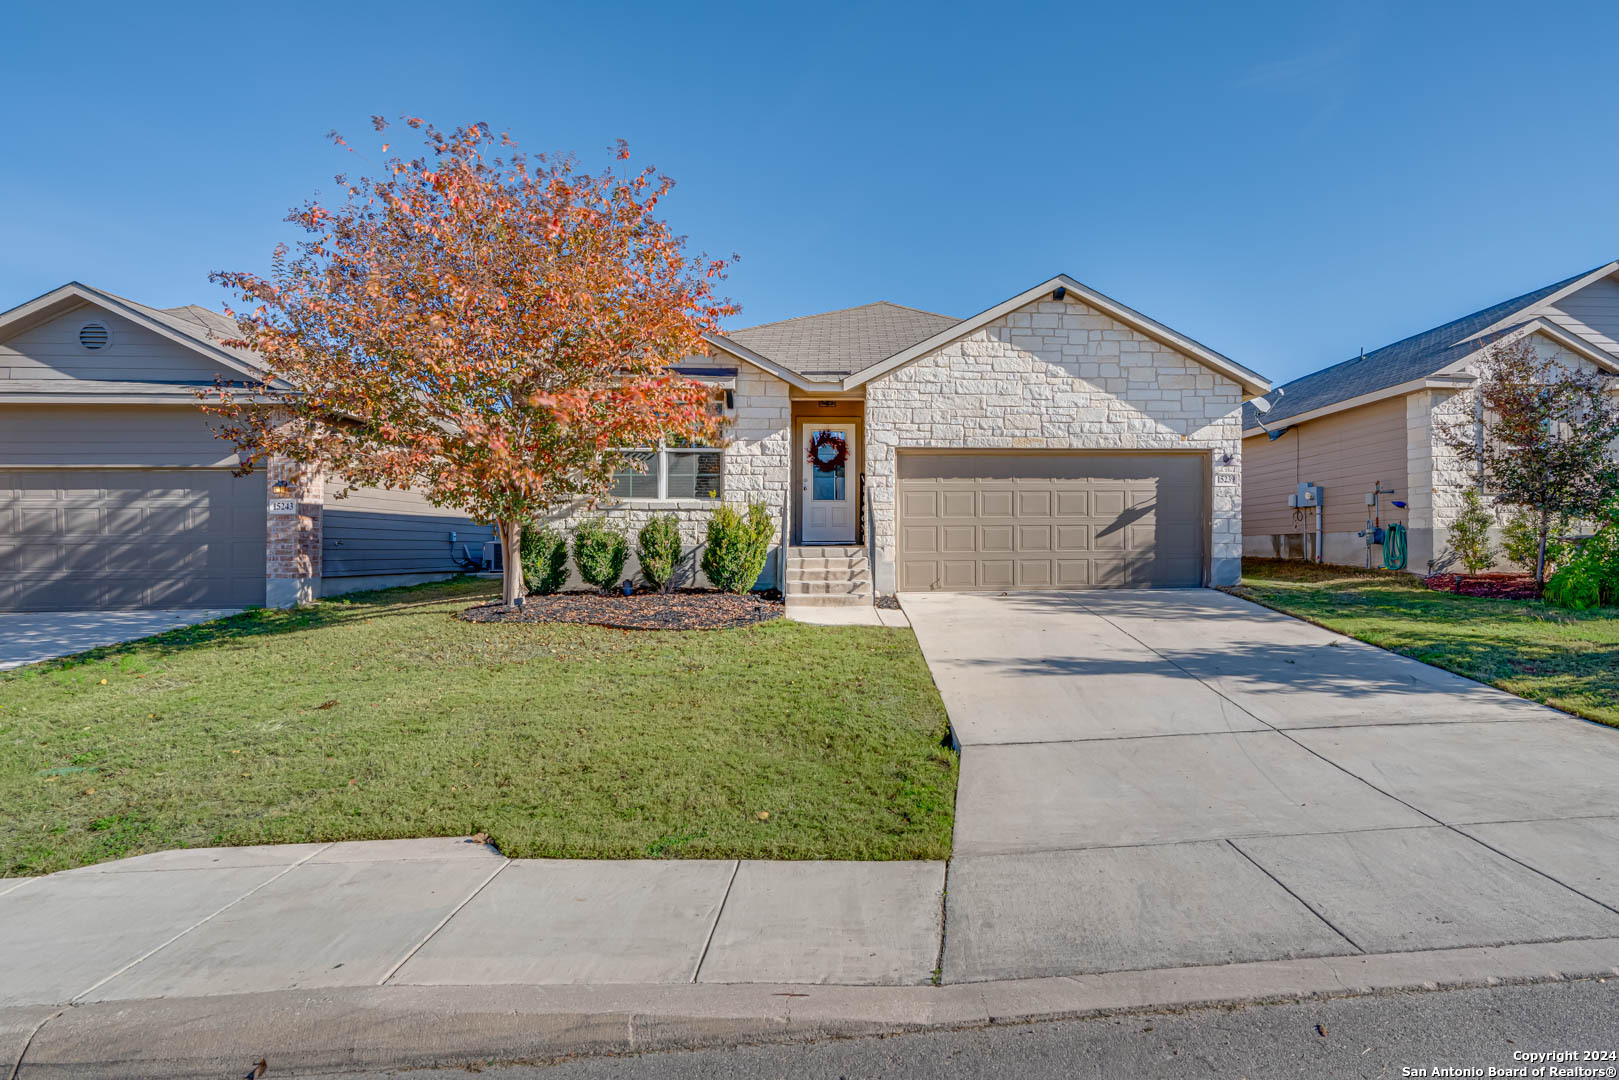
<point>840,450</point>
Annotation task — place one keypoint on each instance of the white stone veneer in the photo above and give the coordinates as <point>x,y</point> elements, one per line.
<point>1057,375</point>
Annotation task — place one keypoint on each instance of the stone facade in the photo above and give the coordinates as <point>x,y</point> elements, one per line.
<point>1438,476</point>
<point>757,468</point>
<point>1057,375</point>
<point>292,541</point>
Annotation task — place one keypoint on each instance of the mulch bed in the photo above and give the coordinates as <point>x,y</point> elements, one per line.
<point>1493,586</point>
<point>683,609</point>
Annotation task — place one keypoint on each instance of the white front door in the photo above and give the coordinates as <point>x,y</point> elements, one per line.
<point>831,498</point>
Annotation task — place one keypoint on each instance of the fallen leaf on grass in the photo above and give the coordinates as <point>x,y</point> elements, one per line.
<point>327,704</point>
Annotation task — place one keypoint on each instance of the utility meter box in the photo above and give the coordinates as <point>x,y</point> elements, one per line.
<point>1307,495</point>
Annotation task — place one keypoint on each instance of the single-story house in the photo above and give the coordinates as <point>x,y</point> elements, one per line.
<point>115,492</point>
<point>1371,425</point>
<point>1055,440</point>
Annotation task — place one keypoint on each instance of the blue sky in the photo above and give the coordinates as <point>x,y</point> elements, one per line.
<point>1286,182</point>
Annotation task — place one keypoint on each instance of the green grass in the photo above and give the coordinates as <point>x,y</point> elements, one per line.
<point>382,716</point>
<point>1566,659</point>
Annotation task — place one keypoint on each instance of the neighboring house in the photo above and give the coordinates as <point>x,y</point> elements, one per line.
<point>1376,420</point>
<point>1057,440</point>
<point>115,492</point>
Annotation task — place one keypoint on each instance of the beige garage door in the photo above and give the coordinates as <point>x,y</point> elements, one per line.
<point>74,539</point>
<point>987,520</point>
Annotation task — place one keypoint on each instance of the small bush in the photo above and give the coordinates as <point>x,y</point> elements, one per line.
<point>738,547</point>
<point>657,545</point>
<point>545,560</point>
<point>1470,534</point>
<point>1520,538</point>
<point>599,551</point>
<point>1575,587</point>
<point>1591,577</point>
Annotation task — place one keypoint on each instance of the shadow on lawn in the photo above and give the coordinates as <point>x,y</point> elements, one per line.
<point>261,622</point>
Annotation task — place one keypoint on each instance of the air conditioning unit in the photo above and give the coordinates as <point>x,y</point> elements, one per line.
<point>491,558</point>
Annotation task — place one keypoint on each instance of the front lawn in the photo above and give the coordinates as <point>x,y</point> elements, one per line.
<point>384,716</point>
<point>1566,659</point>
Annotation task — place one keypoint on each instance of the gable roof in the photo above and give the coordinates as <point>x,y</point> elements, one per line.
<point>1250,381</point>
<point>846,348</point>
<point>1416,357</point>
<point>835,344</point>
<point>194,327</point>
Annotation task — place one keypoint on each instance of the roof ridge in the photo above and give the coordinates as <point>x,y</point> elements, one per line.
<point>1526,303</point>
<point>838,311</point>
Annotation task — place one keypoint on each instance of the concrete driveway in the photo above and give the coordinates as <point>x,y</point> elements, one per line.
<point>1174,778</point>
<point>28,637</point>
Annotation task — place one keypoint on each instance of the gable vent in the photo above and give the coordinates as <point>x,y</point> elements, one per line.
<point>94,336</point>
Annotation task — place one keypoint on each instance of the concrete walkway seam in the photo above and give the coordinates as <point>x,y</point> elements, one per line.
<point>87,991</point>
<point>708,942</point>
<point>1305,903</point>
<point>431,934</point>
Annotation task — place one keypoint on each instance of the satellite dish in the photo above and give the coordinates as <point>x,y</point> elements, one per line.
<point>1260,405</point>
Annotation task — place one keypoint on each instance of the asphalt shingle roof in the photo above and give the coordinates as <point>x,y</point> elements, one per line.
<point>838,343</point>
<point>1415,357</point>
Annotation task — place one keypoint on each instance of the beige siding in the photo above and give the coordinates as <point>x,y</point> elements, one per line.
<point>145,435</point>
<point>374,531</point>
<point>51,350</point>
<point>1346,453</point>
<point>1592,313</point>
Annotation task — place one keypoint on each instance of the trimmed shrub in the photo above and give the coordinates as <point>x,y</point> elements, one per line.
<point>657,546</point>
<point>1470,534</point>
<point>738,547</point>
<point>599,551</point>
<point>545,560</point>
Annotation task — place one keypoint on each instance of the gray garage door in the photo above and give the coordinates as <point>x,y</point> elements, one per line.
<point>1050,521</point>
<point>130,538</point>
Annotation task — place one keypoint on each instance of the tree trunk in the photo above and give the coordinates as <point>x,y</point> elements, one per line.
<point>1540,556</point>
<point>511,554</point>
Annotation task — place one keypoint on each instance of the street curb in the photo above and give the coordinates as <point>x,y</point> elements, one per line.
<point>303,1032</point>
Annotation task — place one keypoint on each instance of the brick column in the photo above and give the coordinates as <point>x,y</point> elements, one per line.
<point>292,535</point>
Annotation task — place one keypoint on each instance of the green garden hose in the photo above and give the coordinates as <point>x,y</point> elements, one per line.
<point>1394,546</point>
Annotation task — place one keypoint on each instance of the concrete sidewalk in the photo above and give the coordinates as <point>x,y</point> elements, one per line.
<point>455,912</point>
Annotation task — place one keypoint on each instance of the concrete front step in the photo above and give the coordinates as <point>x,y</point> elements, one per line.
<point>826,573</point>
<point>828,600</point>
<point>827,566</point>
<point>810,550</point>
<point>808,588</point>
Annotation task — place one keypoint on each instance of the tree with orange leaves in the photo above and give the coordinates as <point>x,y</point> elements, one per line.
<point>477,325</point>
